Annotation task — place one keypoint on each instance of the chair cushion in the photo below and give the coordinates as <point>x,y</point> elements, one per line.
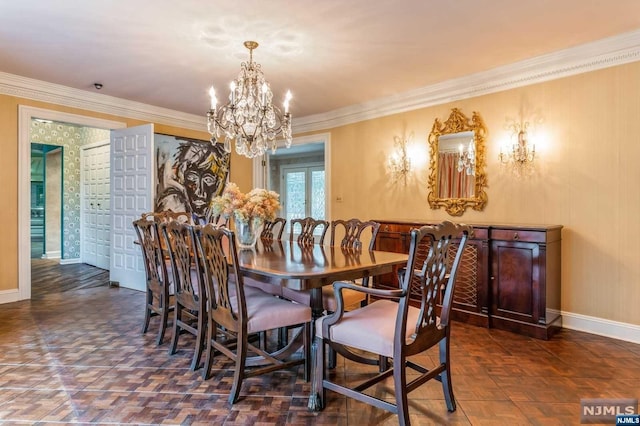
<point>267,312</point>
<point>370,328</point>
<point>274,289</point>
<point>350,298</point>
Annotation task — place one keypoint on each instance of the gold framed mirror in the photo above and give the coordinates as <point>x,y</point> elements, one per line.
<point>457,159</point>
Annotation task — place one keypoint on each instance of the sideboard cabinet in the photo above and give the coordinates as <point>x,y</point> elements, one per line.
<point>509,276</point>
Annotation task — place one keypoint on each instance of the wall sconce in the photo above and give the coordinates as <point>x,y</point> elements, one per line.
<point>399,163</point>
<point>520,152</point>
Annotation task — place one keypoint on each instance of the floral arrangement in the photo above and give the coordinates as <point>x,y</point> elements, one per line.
<point>256,204</point>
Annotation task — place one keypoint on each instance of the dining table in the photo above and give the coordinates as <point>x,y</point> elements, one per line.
<point>311,267</point>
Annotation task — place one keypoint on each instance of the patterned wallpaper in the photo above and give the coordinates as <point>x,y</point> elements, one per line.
<point>71,138</point>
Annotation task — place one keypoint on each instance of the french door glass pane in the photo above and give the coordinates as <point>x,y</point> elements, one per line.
<point>317,194</point>
<point>296,186</point>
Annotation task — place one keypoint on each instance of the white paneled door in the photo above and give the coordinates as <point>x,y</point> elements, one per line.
<point>132,178</point>
<point>95,220</point>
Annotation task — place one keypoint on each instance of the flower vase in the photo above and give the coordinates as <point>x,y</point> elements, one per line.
<point>247,232</point>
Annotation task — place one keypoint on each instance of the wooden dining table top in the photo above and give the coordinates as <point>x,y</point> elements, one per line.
<point>303,267</point>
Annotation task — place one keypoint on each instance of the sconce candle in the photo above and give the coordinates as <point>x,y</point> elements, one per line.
<point>520,152</point>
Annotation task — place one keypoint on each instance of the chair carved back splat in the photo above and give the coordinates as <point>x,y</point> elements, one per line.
<point>272,230</point>
<point>308,226</point>
<point>157,277</point>
<point>189,301</point>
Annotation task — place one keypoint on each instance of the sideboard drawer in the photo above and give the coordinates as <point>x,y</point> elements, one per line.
<point>518,235</point>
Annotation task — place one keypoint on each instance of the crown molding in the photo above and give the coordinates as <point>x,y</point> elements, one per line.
<point>612,51</point>
<point>28,88</point>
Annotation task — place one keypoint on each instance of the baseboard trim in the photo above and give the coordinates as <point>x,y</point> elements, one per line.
<point>9,296</point>
<point>52,255</point>
<point>70,261</point>
<point>601,327</point>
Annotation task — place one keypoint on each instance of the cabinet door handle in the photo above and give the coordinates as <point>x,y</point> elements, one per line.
<point>515,236</point>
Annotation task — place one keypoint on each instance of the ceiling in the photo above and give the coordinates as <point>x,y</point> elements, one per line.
<point>331,54</point>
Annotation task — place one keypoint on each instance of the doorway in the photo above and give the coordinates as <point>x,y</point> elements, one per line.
<point>46,201</point>
<point>301,175</point>
<point>25,116</point>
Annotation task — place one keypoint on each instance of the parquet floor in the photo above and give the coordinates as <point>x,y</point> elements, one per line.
<point>77,357</point>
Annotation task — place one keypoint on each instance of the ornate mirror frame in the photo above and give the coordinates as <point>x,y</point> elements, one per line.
<point>458,122</point>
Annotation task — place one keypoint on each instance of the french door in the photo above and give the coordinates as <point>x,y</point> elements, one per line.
<point>303,191</point>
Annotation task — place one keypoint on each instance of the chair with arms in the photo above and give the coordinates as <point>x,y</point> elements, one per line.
<point>189,313</point>
<point>235,312</point>
<point>157,277</point>
<point>390,327</point>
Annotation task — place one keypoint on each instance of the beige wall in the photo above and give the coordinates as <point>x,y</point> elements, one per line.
<point>586,179</point>
<point>240,173</point>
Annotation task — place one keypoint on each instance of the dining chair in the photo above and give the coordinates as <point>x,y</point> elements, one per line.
<point>167,216</point>
<point>349,235</point>
<point>158,289</point>
<point>189,303</point>
<point>234,313</point>
<point>305,238</point>
<point>308,228</point>
<point>271,234</point>
<point>390,327</point>
<point>272,230</point>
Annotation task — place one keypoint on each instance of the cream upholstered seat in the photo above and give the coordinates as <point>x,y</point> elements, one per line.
<point>234,313</point>
<point>391,328</point>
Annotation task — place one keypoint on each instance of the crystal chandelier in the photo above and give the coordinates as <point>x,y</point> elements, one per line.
<point>249,117</point>
<point>467,159</point>
<point>520,152</point>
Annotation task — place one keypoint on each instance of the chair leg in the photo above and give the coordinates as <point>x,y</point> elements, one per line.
<point>147,312</point>
<point>164,318</point>
<point>208,353</point>
<point>400,383</point>
<point>177,317</point>
<point>238,375</point>
<point>307,342</point>
<point>445,376</point>
<point>317,397</point>
<point>331,363</point>
<point>200,336</point>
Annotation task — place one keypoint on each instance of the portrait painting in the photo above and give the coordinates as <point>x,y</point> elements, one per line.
<point>189,174</point>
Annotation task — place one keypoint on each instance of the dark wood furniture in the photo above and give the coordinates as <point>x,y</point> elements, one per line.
<point>234,312</point>
<point>310,267</point>
<point>308,227</point>
<point>390,328</point>
<point>157,277</point>
<point>509,276</point>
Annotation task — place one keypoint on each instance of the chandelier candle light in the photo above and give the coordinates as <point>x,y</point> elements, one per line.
<point>249,117</point>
